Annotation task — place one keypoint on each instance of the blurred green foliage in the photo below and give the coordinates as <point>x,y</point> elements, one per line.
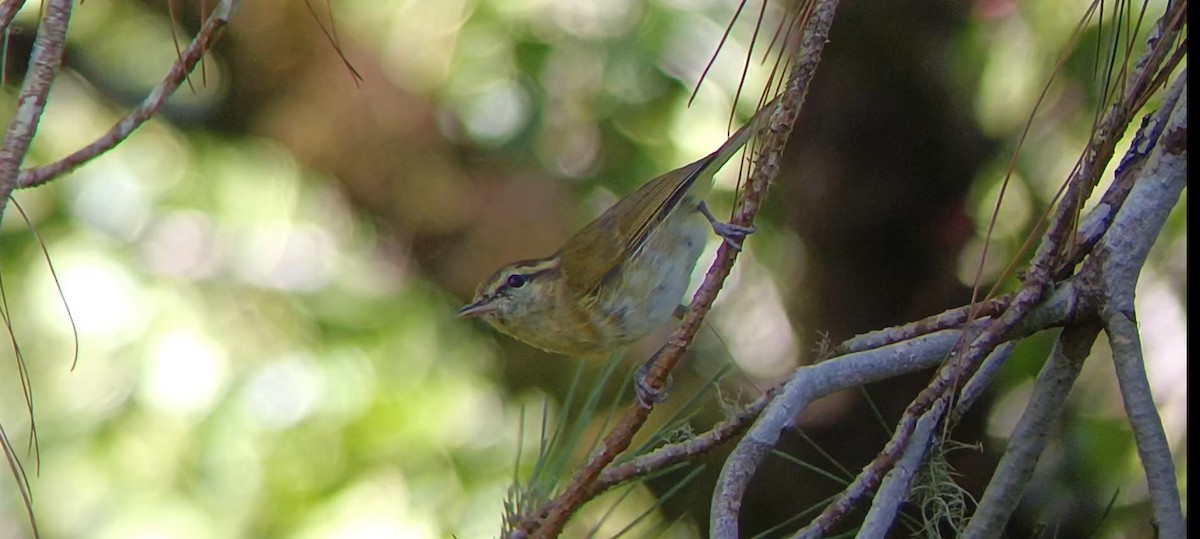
<point>255,360</point>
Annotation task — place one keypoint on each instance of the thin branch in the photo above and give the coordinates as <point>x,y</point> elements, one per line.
<point>217,20</point>
<point>46,58</point>
<point>8,10</point>
<point>1148,434</point>
<point>950,319</point>
<point>1091,231</point>
<point>659,367</point>
<point>31,103</point>
<point>1032,432</point>
<point>1119,256</point>
<point>1127,173</point>
<point>958,367</point>
<point>1139,84</point>
<point>980,381</point>
<point>671,454</point>
<point>893,491</point>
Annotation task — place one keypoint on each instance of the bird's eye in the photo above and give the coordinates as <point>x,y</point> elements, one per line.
<point>517,280</point>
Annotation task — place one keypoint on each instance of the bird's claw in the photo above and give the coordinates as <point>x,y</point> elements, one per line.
<point>648,395</point>
<point>733,234</point>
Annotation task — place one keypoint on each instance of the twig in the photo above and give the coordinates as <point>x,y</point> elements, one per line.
<point>893,491</point>
<point>953,318</point>
<point>1102,145</point>
<point>1127,173</point>
<point>979,382</point>
<point>217,20</point>
<point>47,55</point>
<point>722,432</point>
<point>959,367</point>
<point>8,10</point>
<point>31,103</point>
<point>672,454</point>
<point>1029,438</point>
<point>1091,231</point>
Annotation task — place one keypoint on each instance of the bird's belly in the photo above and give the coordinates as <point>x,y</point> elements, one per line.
<point>653,283</point>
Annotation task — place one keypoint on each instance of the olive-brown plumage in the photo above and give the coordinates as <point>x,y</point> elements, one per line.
<point>623,274</point>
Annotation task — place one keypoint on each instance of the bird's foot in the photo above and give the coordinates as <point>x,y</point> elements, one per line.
<point>733,234</point>
<point>648,395</point>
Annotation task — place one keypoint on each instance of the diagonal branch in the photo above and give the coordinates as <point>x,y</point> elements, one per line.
<point>974,389</point>
<point>217,20</point>
<point>658,369</point>
<point>1030,436</point>
<point>8,10</point>
<point>1148,434</point>
<point>894,489</point>
<point>672,454</point>
<point>31,102</point>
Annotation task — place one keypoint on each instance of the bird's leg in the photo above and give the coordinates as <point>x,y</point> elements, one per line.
<point>731,233</point>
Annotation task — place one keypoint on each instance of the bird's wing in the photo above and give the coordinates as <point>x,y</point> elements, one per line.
<point>595,252</point>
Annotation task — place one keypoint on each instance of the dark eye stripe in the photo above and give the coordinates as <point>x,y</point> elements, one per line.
<point>519,274</point>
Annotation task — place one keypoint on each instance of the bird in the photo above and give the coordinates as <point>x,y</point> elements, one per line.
<point>624,274</point>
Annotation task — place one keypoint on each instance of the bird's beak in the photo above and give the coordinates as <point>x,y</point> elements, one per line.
<point>478,308</point>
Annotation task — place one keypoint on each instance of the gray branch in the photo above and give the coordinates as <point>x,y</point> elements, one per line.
<point>1029,438</point>
<point>981,380</point>
<point>897,483</point>
<point>1113,270</point>
<point>815,381</point>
